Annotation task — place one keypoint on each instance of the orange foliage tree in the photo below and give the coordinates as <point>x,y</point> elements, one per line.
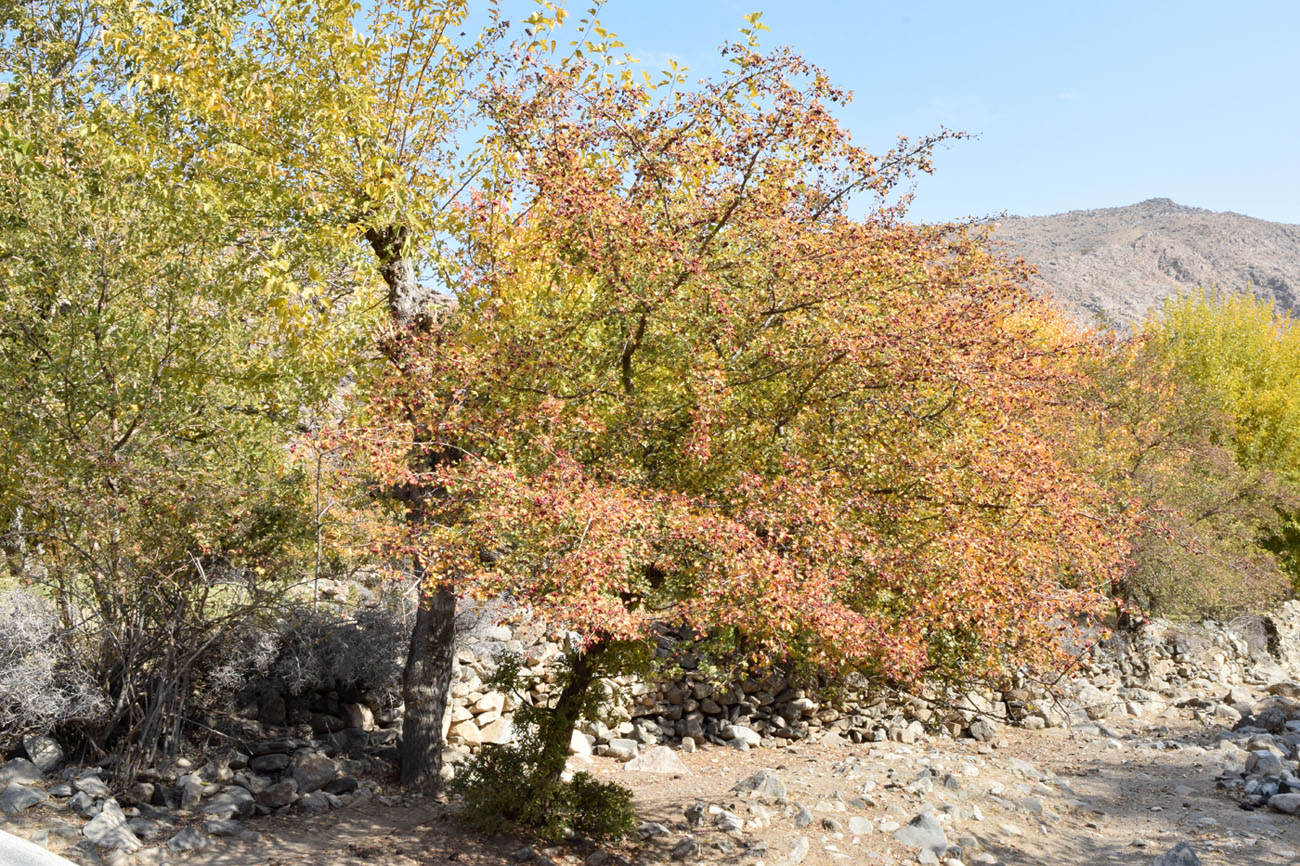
<point>685,382</point>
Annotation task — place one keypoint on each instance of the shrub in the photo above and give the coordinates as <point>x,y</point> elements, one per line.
<point>302,649</point>
<point>1167,441</point>
<point>42,686</point>
<point>526,783</point>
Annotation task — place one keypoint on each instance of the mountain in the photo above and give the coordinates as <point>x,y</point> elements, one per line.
<point>1113,265</point>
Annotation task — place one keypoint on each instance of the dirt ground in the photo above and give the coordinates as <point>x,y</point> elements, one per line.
<point>1118,795</point>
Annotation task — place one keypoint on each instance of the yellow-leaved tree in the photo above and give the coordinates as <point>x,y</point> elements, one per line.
<point>333,124</point>
<point>155,357</point>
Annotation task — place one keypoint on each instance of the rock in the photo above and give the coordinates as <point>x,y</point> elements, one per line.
<point>83,804</point>
<point>652,829</point>
<point>20,770</point>
<point>222,827</point>
<point>84,852</point>
<point>340,786</point>
<point>44,752</point>
<point>146,828</point>
<point>1288,804</point>
<point>492,702</point>
<point>764,785</point>
<point>579,744</point>
<point>317,802</point>
<point>861,826</point>
<point>282,793</point>
<point>923,831</point>
<point>189,839</point>
<point>465,732</point>
<point>141,792</point>
<point>109,829</point>
<point>1179,855</point>
<point>498,733</point>
<point>688,745</point>
<point>660,759</point>
<point>359,716</point>
<point>1264,763</point>
<point>798,851</point>
<point>118,857</point>
<point>231,801</point>
<point>284,745</point>
<point>18,797</point>
<point>92,785</point>
<point>191,788</point>
<point>686,849</point>
<point>802,817</point>
<point>1285,689</point>
<point>1095,703</point>
<point>728,822</point>
<point>745,738</point>
<point>312,770</point>
<point>622,748</point>
<point>983,730</point>
<point>270,763</point>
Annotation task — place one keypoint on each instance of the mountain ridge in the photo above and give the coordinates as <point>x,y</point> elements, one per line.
<point>1112,266</point>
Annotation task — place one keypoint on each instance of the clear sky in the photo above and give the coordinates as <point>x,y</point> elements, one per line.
<point>1077,103</point>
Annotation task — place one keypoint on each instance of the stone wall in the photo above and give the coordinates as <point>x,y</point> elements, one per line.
<point>1139,673</point>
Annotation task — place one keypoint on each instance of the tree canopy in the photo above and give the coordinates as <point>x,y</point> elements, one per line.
<point>683,381</point>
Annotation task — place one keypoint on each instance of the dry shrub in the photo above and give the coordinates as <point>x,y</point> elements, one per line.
<point>42,683</point>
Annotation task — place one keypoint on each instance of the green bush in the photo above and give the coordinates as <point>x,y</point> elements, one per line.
<point>526,784</point>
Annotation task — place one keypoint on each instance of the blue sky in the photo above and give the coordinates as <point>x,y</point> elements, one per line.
<point>1076,104</point>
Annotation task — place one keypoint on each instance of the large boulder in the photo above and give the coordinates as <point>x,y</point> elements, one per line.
<point>311,770</point>
<point>44,752</point>
<point>109,829</point>
<point>17,797</point>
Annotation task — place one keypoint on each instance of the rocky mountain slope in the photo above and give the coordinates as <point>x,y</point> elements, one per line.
<point>1115,264</point>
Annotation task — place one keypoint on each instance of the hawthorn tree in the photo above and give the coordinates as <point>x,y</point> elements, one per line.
<point>685,383</point>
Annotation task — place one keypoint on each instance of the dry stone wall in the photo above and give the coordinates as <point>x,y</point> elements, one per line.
<point>1137,673</point>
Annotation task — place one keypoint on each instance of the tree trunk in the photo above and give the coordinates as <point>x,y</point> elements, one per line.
<point>426,688</point>
<point>426,680</point>
<point>557,725</point>
<point>409,303</point>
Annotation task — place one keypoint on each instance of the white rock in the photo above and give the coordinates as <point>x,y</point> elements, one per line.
<point>660,759</point>
<point>579,744</point>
